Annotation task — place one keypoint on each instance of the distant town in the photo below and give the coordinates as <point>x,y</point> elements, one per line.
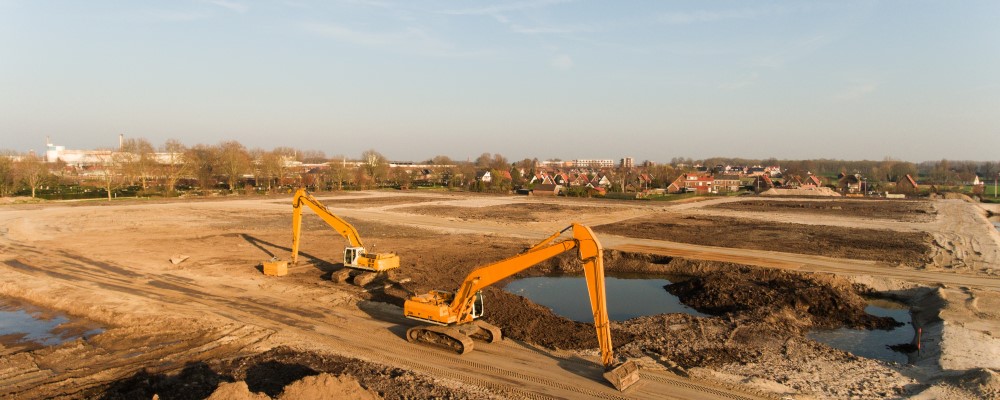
<point>137,168</point>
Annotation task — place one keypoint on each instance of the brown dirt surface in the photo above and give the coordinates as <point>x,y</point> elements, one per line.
<point>326,386</point>
<point>517,212</point>
<point>373,201</point>
<point>236,391</point>
<point>906,211</point>
<point>910,248</point>
<point>271,372</point>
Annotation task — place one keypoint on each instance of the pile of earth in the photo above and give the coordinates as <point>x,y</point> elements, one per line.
<point>316,387</point>
<point>277,371</point>
<point>816,191</point>
<point>820,301</point>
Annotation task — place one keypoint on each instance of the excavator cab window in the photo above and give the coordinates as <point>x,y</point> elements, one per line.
<point>477,305</point>
<point>349,256</point>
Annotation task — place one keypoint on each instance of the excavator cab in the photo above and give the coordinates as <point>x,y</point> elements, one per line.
<point>351,255</point>
<point>477,305</point>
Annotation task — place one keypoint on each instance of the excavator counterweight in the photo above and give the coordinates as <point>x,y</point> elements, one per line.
<point>453,315</point>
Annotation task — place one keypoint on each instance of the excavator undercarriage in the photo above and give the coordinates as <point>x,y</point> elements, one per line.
<point>456,337</point>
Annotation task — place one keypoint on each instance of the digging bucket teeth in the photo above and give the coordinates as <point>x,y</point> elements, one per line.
<point>623,375</point>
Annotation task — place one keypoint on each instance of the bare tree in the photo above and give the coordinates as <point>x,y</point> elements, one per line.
<point>139,160</point>
<point>200,160</point>
<point>375,165</point>
<point>112,163</point>
<point>274,166</point>
<point>32,171</point>
<point>313,156</point>
<point>8,174</point>
<point>337,172</point>
<point>233,161</point>
<point>173,166</point>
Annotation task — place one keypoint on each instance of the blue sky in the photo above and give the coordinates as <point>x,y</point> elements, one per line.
<point>914,80</point>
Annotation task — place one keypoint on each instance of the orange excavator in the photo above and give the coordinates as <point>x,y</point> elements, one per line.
<point>453,315</point>
<point>356,257</point>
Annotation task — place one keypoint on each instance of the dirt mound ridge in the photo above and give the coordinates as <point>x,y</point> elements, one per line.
<point>825,301</point>
<point>236,391</point>
<point>326,386</point>
<point>819,191</point>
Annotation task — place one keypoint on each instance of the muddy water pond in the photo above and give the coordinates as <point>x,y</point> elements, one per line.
<point>872,343</point>
<point>996,221</point>
<point>627,297</point>
<point>27,327</point>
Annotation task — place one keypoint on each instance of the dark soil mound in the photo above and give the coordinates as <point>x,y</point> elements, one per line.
<point>270,372</point>
<point>828,302</point>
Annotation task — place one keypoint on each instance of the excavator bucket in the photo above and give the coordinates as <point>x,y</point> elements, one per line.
<point>623,375</point>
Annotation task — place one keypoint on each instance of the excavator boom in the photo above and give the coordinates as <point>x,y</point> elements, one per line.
<point>355,255</point>
<point>459,309</point>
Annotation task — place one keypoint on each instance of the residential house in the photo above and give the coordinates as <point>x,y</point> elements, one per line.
<point>546,190</point>
<point>812,181</point>
<point>692,183</point>
<point>484,176</point>
<point>762,182</point>
<point>601,181</point>
<point>792,182</point>
<point>849,183</point>
<point>727,183</point>
<point>906,185</point>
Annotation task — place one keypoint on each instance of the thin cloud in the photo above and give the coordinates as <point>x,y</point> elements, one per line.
<point>856,91</point>
<point>501,8</point>
<point>410,40</point>
<point>549,29</point>
<point>176,16</point>
<point>348,35</point>
<point>231,5</point>
<point>702,16</point>
<point>562,62</point>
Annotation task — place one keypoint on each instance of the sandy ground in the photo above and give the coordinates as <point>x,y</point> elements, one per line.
<point>108,264</point>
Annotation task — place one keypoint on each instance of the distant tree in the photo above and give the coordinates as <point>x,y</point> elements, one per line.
<point>173,166</point>
<point>233,161</point>
<point>32,171</point>
<point>441,160</point>
<point>337,172</point>
<point>313,157</point>
<point>8,173</point>
<point>484,160</point>
<point>499,162</point>
<point>112,163</point>
<point>139,160</point>
<point>200,160</point>
<point>375,166</point>
<point>402,178</point>
<point>274,167</point>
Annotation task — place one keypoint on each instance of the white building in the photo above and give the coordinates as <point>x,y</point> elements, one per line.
<point>594,163</point>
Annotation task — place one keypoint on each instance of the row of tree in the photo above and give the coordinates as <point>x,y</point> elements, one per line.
<point>137,163</point>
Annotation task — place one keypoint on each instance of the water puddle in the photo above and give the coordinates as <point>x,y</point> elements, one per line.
<point>27,327</point>
<point>996,221</point>
<point>627,297</point>
<point>872,343</point>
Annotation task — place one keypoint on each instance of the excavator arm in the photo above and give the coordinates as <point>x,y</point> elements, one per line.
<point>355,255</point>
<point>589,251</point>
<point>302,197</point>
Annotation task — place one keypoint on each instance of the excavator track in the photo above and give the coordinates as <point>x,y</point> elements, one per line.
<point>441,336</point>
<point>487,332</point>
